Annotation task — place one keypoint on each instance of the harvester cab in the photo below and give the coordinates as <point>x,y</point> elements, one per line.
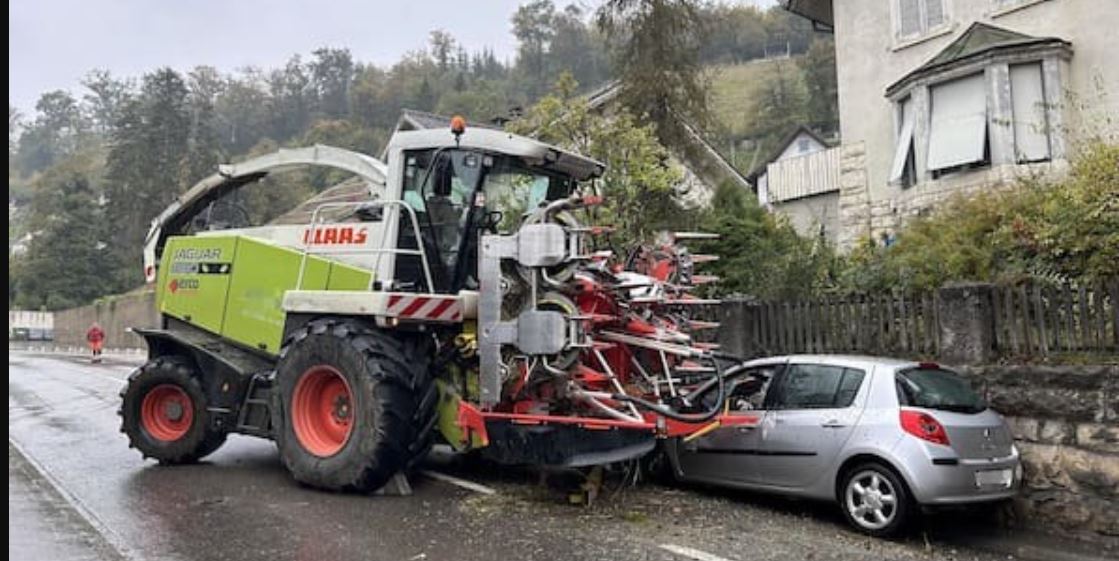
<point>458,295</point>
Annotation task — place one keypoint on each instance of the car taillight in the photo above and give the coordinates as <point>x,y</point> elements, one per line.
<point>923,426</point>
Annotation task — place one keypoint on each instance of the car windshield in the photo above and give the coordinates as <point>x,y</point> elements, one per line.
<point>935,388</point>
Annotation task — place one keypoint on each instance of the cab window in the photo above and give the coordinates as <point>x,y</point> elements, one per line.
<point>513,190</point>
<point>439,186</point>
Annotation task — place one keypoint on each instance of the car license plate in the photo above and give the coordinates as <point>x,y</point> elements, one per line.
<point>993,478</point>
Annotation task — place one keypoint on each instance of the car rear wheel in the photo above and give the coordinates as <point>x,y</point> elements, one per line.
<point>875,500</point>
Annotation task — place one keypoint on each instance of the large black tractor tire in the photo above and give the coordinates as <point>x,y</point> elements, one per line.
<point>163,412</point>
<point>354,405</point>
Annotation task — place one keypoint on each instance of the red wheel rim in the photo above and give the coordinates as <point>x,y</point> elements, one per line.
<point>167,412</point>
<point>322,411</point>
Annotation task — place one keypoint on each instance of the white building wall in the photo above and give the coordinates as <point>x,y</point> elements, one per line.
<point>869,59</point>
<point>37,325</point>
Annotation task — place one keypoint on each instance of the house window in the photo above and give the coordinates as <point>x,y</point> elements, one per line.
<point>918,17</point>
<point>802,146</point>
<point>904,167</point>
<point>958,125</point>
<point>1031,123</point>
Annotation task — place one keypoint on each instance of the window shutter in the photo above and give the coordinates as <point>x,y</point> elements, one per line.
<point>958,127</point>
<point>1031,127</point>
<point>904,143</point>
<point>934,13</point>
<point>909,17</point>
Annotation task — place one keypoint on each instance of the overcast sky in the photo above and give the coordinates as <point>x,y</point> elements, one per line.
<point>52,44</point>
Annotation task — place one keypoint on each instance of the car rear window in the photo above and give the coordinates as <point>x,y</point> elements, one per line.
<point>936,388</point>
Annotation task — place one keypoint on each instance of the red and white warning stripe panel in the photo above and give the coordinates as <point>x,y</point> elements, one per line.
<point>424,307</point>
<point>406,306</point>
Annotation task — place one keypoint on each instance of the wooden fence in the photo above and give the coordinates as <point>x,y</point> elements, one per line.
<point>876,324</point>
<point>1036,319</point>
<point>1023,319</point>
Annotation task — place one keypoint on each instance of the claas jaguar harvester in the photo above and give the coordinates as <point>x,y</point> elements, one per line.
<point>461,297</point>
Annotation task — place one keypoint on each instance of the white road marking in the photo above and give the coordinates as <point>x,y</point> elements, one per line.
<point>476,487</point>
<point>691,553</point>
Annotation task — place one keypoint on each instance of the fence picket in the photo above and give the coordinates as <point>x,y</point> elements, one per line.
<point>1084,330</point>
<point>1101,316</point>
<point>1030,318</point>
<point>1114,293</point>
<point>1042,336</point>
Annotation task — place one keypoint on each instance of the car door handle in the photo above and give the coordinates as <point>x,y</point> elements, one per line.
<point>833,424</point>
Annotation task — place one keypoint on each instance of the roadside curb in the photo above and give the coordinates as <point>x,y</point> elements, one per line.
<point>114,540</point>
<point>1029,545</point>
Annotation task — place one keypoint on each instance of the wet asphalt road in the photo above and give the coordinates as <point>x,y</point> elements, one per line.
<point>81,493</point>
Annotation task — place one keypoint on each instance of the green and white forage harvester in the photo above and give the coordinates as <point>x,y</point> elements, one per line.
<point>459,298</point>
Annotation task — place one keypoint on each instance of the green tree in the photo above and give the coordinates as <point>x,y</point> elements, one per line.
<point>639,184</point>
<point>332,73</point>
<point>65,263</point>
<point>732,33</point>
<point>821,86</point>
<point>656,56</point>
<point>15,121</point>
<point>243,111</point>
<point>778,108</point>
<point>366,97</point>
<point>203,151</point>
<point>532,25</point>
<point>58,130</point>
<point>106,96</point>
<point>442,44</point>
<point>290,99</point>
<point>760,254</point>
<point>342,134</point>
<point>483,102</point>
<point>576,48</point>
<point>144,165</point>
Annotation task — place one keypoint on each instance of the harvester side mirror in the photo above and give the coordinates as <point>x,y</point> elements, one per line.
<point>370,212</point>
<point>491,221</point>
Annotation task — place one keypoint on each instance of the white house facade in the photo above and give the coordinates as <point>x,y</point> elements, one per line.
<point>939,97</point>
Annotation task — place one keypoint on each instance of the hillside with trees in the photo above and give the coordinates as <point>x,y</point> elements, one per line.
<point>88,169</point>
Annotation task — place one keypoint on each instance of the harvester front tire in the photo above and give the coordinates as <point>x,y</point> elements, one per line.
<point>163,413</point>
<point>354,405</point>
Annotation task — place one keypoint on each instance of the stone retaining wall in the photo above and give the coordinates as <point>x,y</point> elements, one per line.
<point>1065,420</point>
<point>115,314</point>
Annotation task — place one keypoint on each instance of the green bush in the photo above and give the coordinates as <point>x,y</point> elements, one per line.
<point>1066,229</point>
<point>760,254</point>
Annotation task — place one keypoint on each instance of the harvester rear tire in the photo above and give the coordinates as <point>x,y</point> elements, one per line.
<point>354,405</point>
<point>163,412</point>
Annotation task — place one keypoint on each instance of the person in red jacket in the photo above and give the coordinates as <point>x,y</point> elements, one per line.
<point>96,338</point>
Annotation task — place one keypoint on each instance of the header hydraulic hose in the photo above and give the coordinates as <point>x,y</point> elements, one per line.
<point>720,377</point>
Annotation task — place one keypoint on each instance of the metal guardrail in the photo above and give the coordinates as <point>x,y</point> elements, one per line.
<point>308,244</point>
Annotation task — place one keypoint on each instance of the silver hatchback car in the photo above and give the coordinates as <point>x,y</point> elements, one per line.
<point>879,436</point>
